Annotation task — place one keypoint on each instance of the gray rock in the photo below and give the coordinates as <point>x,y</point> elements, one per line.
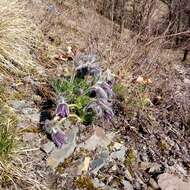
<point>30,115</point>
<point>127,185</point>
<point>97,183</point>
<point>100,162</point>
<point>119,155</point>
<point>59,155</point>
<point>35,118</point>
<point>168,181</point>
<point>153,184</point>
<point>28,111</point>
<point>97,164</point>
<point>98,139</point>
<point>48,147</point>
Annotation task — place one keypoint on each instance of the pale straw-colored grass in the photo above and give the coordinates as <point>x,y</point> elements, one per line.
<point>18,37</point>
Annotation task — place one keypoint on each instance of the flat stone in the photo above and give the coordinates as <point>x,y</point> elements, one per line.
<point>98,139</point>
<point>35,118</point>
<point>31,115</point>
<point>59,155</point>
<point>187,81</point>
<point>98,163</point>
<point>119,155</point>
<point>127,185</point>
<point>168,181</point>
<point>97,183</point>
<point>48,147</point>
<point>29,111</point>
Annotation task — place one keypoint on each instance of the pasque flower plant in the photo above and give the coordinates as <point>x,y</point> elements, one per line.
<point>83,98</point>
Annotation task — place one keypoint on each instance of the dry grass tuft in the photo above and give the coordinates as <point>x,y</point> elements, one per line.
<point>14,174</point>
<point>18,37</point>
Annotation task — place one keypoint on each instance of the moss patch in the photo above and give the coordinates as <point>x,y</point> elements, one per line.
<point>85,182</point>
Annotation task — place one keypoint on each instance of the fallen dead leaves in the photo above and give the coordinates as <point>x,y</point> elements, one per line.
<point>142,80</point>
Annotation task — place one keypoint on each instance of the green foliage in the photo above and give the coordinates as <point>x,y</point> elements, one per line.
<point>8,121</point>
<point>70,88</point>
<point>88,117</point>
<point>75,93</point>
<point>85,182</point>
<point>6,140</point>
<point>120,90</point>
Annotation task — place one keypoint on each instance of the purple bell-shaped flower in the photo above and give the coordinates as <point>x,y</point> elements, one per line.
<point>62,110</point>
<point>58,138</point>
<point>95,107</point>
<point>106,108</point>
<point>107,88</point>
<point>98,92</point>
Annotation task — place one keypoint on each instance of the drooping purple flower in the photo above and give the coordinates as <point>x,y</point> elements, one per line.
<point>98,92</point>
<point>107,88</point>
<point>95,107</point>
<point>108,113</point>
<point>101,107</point>
<point>94,71</point>
<point>58,138</point>
<point>106,108</point>
<point>62,110</point>
<point>84,70</point>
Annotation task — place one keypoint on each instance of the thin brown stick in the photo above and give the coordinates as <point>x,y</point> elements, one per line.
<point>165,36</point>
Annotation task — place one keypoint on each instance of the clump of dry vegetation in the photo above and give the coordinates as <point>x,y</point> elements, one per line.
<point>14,173</point>
<point>18,37</point>
<point>8,136</point>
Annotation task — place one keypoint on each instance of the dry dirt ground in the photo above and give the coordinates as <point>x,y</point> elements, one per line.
<point>133,152</point>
